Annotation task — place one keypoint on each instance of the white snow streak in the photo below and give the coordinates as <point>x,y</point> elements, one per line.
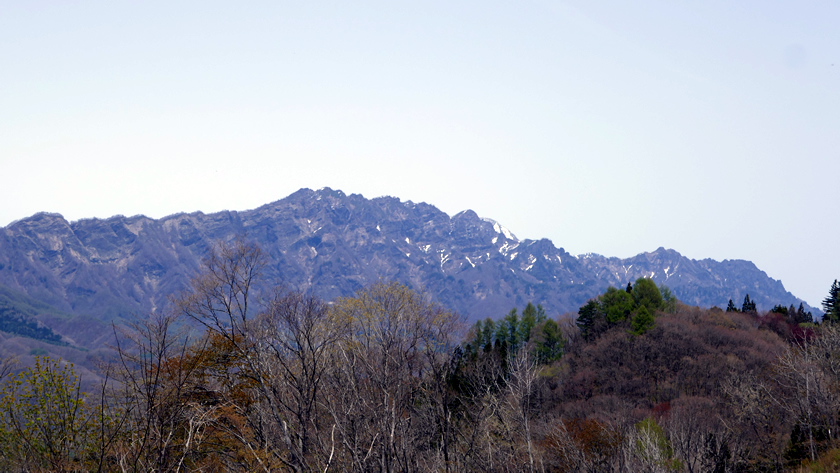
<point>500,229</point>
<point>507,233</point>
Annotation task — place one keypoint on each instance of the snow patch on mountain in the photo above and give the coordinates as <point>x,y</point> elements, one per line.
<point>501,229</point>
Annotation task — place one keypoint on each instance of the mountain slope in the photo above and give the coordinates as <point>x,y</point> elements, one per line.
<point>333,244</point>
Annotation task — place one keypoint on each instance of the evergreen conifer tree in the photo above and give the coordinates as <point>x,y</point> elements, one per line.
<point>731,307</point>
<point>590,319</point>
<point>642,321</point>
<point>549,342</point>
<point>531,317</point>
<point>669,300</point>
<point>508,330</point>
<point>617,305</point>
<point>800,316</point>
<point>831,304</point>
<point>646,293</point>
<point>488,334</point>
<point>748,306</point>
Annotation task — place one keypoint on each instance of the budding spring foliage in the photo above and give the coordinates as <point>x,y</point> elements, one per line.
<point>390,316</point>
<point>45,421</point>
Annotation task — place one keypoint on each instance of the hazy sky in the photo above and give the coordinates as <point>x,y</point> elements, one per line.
<point>711,127</point>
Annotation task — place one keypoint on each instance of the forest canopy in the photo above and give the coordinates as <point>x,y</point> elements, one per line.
<point>245,375</point>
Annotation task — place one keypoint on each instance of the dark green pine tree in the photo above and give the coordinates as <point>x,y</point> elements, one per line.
<point>800,316</point>
<point>831,304</point>
<point>748,306</point>
<point>488,334</point>
<point>591,319</point>
<point>642,321</point>
<point>629,288</point>
<point>508,330</point>
<point>531,317</point>
<point>731,307</point>
<point>779,309</point>
<point>617,305</point>
<point>548,342</point>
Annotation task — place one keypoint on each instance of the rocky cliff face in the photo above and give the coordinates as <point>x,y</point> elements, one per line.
<point>333,244</point>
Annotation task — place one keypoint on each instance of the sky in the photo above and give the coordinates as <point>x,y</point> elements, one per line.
<point>611,127</point>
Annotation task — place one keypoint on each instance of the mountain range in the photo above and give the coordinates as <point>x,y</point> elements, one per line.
<point>63,282</point>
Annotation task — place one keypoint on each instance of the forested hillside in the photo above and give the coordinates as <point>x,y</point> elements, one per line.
<point>389,380</point>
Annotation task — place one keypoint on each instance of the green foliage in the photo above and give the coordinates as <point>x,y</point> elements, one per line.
<point>646,294</point>
<point>794,316</point>
<point>669,300</point>
<point>748,305</point>
<point>508,330</point>
<point>46,422</point>
<point>14,320</point>
<point>802,317</point>
<point>20,313</point>
<point>831,304</point>
<point>653,446</point>
<point>642,321</point>
<point>548,342</point>
<point>487,334</point>
<point>616,305</point>
<point>514,331</point>
<point>780,309</point>
<point>648,427</point>
<point>731,307</point>
<point>590,319</point>
<point>531,316</point>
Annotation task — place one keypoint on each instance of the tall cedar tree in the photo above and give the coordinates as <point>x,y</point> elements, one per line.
<point>831,304</point>
<point>642,321</point>
<point>801,317</point>
<point>748,306</point>
<point>590,319</point>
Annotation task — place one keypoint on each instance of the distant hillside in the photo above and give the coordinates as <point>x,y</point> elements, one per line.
<point>18,316</point>
<point>333,244</point>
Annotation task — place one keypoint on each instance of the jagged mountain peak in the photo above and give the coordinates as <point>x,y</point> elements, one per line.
<point>333,243</point>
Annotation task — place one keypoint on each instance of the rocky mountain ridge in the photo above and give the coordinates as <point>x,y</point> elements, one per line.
<point>333,244</point>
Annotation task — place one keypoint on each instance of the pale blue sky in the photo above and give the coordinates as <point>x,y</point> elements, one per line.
<point>711,127</point>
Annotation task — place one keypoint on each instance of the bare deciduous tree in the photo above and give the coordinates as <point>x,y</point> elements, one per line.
<point>156,378</point>
<point>392,348</point>
<point>521,384</point>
